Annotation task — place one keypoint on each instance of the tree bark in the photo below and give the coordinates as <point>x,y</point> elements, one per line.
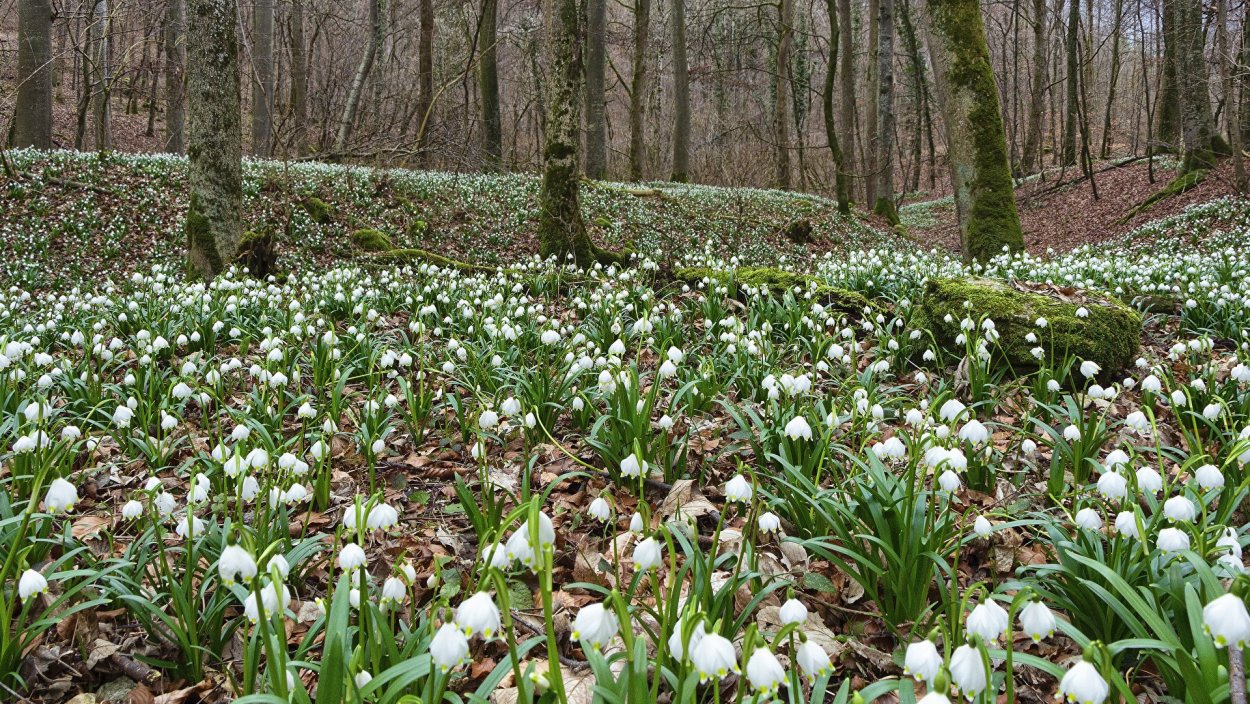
<point>377,32</point>
<point>488,86</point>
<point>299,79</point>
<point>1105,151</point>
<point>1032,156</point>
<point>924,118</point>
<point>596,99</point>
<point>638,89</point>
<point>871,122</point>
<point>1167,133</point>
<point>681,96</point>
<point>847,108</point>
<point>263,82</point>
<point>425,77</point>
<point>102,74</point>
<point>1071,115</point>
<point>561,229</point>
<point>1197,130</point>
<point>1230,95</point>
<point>215,145</point>
<point>884,204</point>
<point>977,145</point>
<point>842,180</point>
<point>781,114</point>
<point>32,123</point>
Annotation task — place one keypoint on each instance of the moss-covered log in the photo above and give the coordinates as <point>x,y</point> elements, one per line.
<point>747,279</point>
<point>1110,334</point>
<point>372,240</point>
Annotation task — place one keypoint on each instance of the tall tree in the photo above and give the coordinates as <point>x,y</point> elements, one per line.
<point>1197,131</point>
<point>1230,95</point>
<point>263,81</point>
<point>781,94</point>
<point>377,33</point>
<point>1167,132</point>
<point>299,78</point>
<point>1072,107</point>
<point>884,203</point>
<point>488,85</point>
<point>425,75</point>
<point>985,201</point>
<point>842,181</point>
<point>175,60</point>
<point>1032,156</point>
<point>561,229</point>
<point>681,96</point>
<point>638,89</point>
<point>32,123</point>
<point>847,88</point>
<point>1105,151</point>
<point>215,138</point>
<point>99,36</point>
<point>596,99</point>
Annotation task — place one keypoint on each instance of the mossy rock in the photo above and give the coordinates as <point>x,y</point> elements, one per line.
<point>419,256</point>
<point>1110,335</point>
<point>258,253</point>
<point>320,211</point>
<point>372,240</point>
<point>777,281</point>
<point>418,229</point>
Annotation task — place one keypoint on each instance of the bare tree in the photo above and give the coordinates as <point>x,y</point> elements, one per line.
<point>299,78</point>
<point>377,33</point>
<point>1032,157</point>
<point>99,36</point>
<point>596,99</point>
<point>1230,95</point>
<point>263,81</point>
<point>32,124</point>
<point>638,88</point>
<point>488,85</point>
<point>842,184</point>
<point>681,95</point>
<point>175,60</point>
<point>884,176</point>
<point>781,94</point>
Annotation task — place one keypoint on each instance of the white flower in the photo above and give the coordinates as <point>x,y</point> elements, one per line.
<point>234,466</point>
<point>270,599</point>
<point>1084,685</point>
<point>1172,540</point>
<point>974,431</point>
<point>738,489</point>
<point>351,557</point>
<point>122,416</point>
<point>510,406</point>
<point>600,510</point>
<point>1209,476</point>
<point>769,522</point>
<point>488,420</point>
<point>236,563</point>
<point>982,527</point>
<point>479,615</point>
<point>1227,621</point>
<point>813,660</point>
<point>764,672</point>
<point>949,482</point>
<point>1088,519</point>
<point>61,497</point>
<point>647,554</point>
<point>1126,524</point>
<point>132,510</point>
<point>1090,369</point>
<point>922,661</point>
<point>633,466</point>
<point>594,626</point>
<point>1072,433</point>
<point>713,657</point>
<point>30,584</point>
<point>1180,508</point>
<point>798,428</point>
<point>635,523</point>
<point>968,671</point>
<point>1037,621</point>
<point>1149,480</point>
<point>793,611</point>
<point>1112,485</point>
<point>394,591</point>
<point>1082,312</point>
<point>449,647</point>
<point>675,646</point>
<point>934,697</point>
<point>951,410</point>
<point>988,620</point>
<point>362,678</point>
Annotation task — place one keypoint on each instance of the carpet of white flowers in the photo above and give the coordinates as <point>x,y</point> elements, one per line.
<point>544,484</point>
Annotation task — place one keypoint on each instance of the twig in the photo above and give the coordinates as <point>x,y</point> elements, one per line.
<point>564,659</point>
<point>1236,675</point>
<point>134,669</point>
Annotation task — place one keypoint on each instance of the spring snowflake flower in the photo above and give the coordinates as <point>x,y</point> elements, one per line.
<point>600,510</point>
<point>798,429</point>
<point>951,410</point>
<point>1226,620</point>
<point>675,646</point>
<point>1149,480</point>
<point>449,648</point>
<point>1126,524</point>
<point>1172,540</point>
<point>764,671</point>
<point>793,611</point>
<point>768,522</point>
<point>988,620</point>
<point>382,517</point>
<point>1113,486</point>
<point>1083,684</point>
<point>30,584</point>
<point>982,527</point>
<point>61,497</point>
<point>488,419</point>
<point>738,490</point>
<point>594,626</point>
<point>132,510</point>
<point>949,482</point>
<point>352,557</point>
<point>714,657</point>
<point>478,615</point>
<point>922,661</point>
<point>635,523</point>
<point>234,466</point>
<point>273,598</point>
<point>1209,477</point>
<point>1037,621</point>
<point>1090,369</point>
<point>1088,519</point>
<point>190,525</point>
<point>1180,509</point>
<point>813,660</point>
<point>122,417</point>
<point>633,466</point>
<point>236,564</point>
<point>968,671</point>
<point>647,554</point>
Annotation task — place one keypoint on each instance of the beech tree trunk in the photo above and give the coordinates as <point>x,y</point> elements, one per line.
<point>1032,156</point>
<point>263,81</point>
<point>985,201</point>
<point>488,86</point>
<point>638,89</point>
<point>847,57</point>
<point>681,96</point>
<point>299,79</point>
<point>596,100</point>
<point>842,185</point>
<point>561,229</point>
<point>425,76</point>
<point>1231,108</point>
<point>1105,151</point>
<point>1167,133</point>
<point>1197,130</point>
<point>377,32</point>
<point>102,74</point>
<point>781,90</point>
<point>215,138</point>
<point>884,203</point>
<point>1073,79</point>
<point>32,122</point>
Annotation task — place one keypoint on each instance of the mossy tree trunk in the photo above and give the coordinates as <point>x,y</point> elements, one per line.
<point>883,205</point>
<point>215,144</point>
<point>1197,130</point>
<point>1168,129</point>
<point>596,101</point>
<point>977,145</point>
<point>32,122</point>
<point>488,85</point>
<point>681,96</point>
<point>842,185</point>
<point>175,91</point>
<point>263,81</point>
<point>561,229</point>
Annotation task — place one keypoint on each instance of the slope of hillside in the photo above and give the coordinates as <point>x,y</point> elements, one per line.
<point>75,217</point>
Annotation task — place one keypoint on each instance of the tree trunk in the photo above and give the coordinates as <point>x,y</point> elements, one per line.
<point>847,107</point>
<point>1032,157</point>
<point>262,83</point>
<point>377,32</point>
<point>488,86</point>
<point>561,230</point>
<point>425,77</point>
<point>596,100</point>
<point>781,115</point>
<point>871,122</point>
<point>681,96</point>
<point>884,204</point>
<point>920,92</point>
<point>842,184</point>
<point>638,89</point>
<point>977,145</point>
<point>102,75</point>
<point>1105,151</point>
<point>1197,130</point>
<point>32,122</point>
<point>215,144</point>
<point>1070,126</point>
<point>299,79</point>
<point>1167,133</point>
<point>1230,95</point>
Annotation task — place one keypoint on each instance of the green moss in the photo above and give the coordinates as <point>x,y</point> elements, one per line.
<point>320,211</point>
<point>418,229</point>
<point>258,253</point>
<point>1110,335</point>
<point>203,258</point>
<point>777,281</point>
<point>372,240</point>
<point>417,256</point>
<point>1177,186</point>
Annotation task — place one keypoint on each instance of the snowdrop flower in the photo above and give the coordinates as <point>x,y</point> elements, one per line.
<point>448,648</point>
<point>236,563</point>
<point>351,557</point>
<point>798,429</point>
<point>132,510</point>
<point>633,466</point>
<point>793,611</point>
<point>714,657</point>
<point>479,615</point>
<point>813,660</point>
<point>1126,524</point>
<point>988,620</point>
<point>738,490</point>
<point>1088,519</point>
<point>1180,508</point>
<point>61,497</point>
<point>600,510</point>
<point>1084,685</point>
<point>1090,369</point>
<point>1172,540</point>
<point>922,661</point>
<point>968,671</point>
<point>768,522</point>
<point>1209,477</point>
<point>1225,619</point>
<point>1113,486</point>
<point>647,554</point>
<point>30,584</point>
<point>594,626</point>
<point>1037,621</point>
<point>764,672</point>
<point>1149,480</point>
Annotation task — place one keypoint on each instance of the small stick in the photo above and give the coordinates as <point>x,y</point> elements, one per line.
<point>1236,675</point>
